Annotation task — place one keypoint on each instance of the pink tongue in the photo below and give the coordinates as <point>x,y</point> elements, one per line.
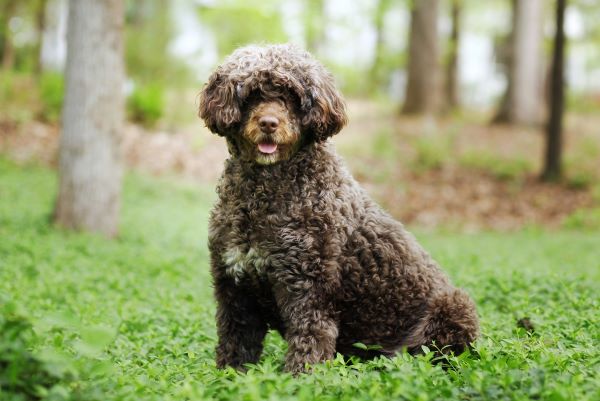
<point>267,147</point>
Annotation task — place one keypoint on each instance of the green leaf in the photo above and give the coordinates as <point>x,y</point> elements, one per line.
<point>61,319</point>
<point>94,340</point>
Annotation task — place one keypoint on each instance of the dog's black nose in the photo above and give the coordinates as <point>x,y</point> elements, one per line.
<point>268,124</point>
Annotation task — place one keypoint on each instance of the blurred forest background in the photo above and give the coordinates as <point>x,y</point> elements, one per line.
<point>449,100</point>
<point>466,118</point>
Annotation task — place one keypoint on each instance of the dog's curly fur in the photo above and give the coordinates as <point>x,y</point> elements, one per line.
<point>296,245</point>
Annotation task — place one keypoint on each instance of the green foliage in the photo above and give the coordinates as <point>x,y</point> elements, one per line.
<point>379,76</point>
<point>145,104</point>
<point>133,319</point>
<point>52,96</point>
<point>351,80</point>
<point>384,145</point>
<point>19,97</point>
<point>432,152</point>
<point>508,169</point>
<point>148,33</point>
<point>583,164</point>
<point>22,98</point>
<point>238,23</point>
<point>22,375</point>
<point>386,59</point>
<point>583,103</point>
<point>581,179</point>
<point>585,219</point>
<point>314,23</point>
<point>52,370</point>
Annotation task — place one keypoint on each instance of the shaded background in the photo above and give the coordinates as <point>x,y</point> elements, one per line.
<point>466,159</point>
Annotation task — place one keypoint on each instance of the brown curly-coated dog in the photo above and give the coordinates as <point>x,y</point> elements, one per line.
<point>296,245</point>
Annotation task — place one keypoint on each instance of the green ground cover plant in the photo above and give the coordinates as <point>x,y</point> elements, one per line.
<point>506,169</point>
<point>85,318</point>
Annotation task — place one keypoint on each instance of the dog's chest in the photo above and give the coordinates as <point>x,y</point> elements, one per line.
<point>259,225</point>
<point>244,263</point>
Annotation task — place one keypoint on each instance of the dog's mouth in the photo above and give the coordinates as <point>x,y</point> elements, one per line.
<point>267,148</point>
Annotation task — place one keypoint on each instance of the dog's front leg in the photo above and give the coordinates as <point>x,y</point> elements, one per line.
<point>240,327</point>
<point>310,328</point>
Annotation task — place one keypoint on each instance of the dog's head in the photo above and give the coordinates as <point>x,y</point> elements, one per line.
<point>269,101</point>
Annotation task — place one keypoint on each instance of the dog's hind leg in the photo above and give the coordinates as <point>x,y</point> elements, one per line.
<point>450,323</point>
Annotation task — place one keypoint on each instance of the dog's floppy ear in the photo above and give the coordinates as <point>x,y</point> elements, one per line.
<point>327,113</point>
<point>219,104</point>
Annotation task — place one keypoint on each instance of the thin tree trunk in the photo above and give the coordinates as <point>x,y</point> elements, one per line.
<point>507,60</point>
<point>452,101</point>
<point>521,104</point>
<point>90,158</point>
<point>40,20</point>
<point>8,51</point>
<point>422,80</point>
<point>552,161</point>
<point>376,74</point>
<point>53,44</point>
<point>528,63</point>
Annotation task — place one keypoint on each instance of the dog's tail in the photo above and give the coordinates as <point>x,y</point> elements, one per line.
<point>450,323</point>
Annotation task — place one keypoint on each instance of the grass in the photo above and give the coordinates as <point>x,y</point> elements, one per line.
<point>84,318</point>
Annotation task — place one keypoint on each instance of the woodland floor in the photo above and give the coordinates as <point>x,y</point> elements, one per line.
<point>458,172</point>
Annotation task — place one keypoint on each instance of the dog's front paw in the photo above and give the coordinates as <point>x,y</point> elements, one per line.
<point>236,355</point>
<point>303,354</point>
<point>296,366</point>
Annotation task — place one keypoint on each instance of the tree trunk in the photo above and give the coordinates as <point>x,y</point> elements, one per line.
<point>40,20</point>
<point>422,81</point>
<point>8,51</point>
<point>90,157</point>
<point>521,103</point>
<point>506,60</point>
<point>53,46</point>
<point>452,101</point>
<point>377,80</point>
<point>553,154</point>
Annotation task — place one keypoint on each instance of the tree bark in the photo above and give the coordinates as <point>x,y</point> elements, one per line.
<point>506,60</point>
<point>90,158</point>
<point>40,21</point>
<point>8,50</point>
<point>53,45</point>
<point>452,101</point>
<point>521,103</point>
<point>422,81</point>
<point>553,155</point>
<point>377,80</point>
